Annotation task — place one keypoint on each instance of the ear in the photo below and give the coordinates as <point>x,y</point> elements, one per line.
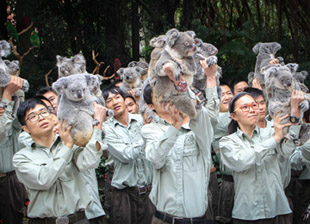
<point>255,49</point>
<point>269,73</point>
<point>6,62</point>
<point>276,46</point>
<point>25,129</point>
<point>120,71</point>
<point>59,60</point>
<point>16,62</point>
<point>198,42</point>
<point>172,36</point>
<point>304,73</point>
<point>89,78</point>
<point>191,33</point>
<point>151,106</point>
<point>100,78</point>
<point>60,85</point>
<point>233,116</point>
<point>79,59</point>
<point>293,67</point>
<point>138,69</point>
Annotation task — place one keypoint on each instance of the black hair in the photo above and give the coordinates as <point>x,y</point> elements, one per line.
<point>44,90</point>
<point>28,105</point>
<point>233,125</point>
<point>254,92</point>
<point>147,94</point>
<point>307,116</point>
<point>235,81</point>
<point>223,83</point>
<point>112,89</point>
<point>131,97</point>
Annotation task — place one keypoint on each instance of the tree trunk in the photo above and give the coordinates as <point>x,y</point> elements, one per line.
<point>135,30</point>
<point>259,17</point>
<point>187,14</point>
<point>3,16</point>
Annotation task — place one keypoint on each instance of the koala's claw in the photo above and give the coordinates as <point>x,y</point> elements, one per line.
<point>211,60</point>
<point>304,106</point>
<point>95,122</point>
<point>110,113</point>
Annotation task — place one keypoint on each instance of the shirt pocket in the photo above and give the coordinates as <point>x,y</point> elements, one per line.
<point>67,174</point>
<point>191,154</point>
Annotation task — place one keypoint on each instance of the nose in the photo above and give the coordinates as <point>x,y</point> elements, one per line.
<point>79,94</point>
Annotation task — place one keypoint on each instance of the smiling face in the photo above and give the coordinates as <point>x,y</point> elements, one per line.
<point>116,103</point>
<point>227,95</point>
<point>245,118</point>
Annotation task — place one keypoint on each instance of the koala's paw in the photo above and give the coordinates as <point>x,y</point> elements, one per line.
<point>3,105</point>
<point>212,60</point>
<point>25,86</point>
<point>138,91</point>
<point>293,138</point>
<point>95,122</point>
<point>304,105</point>
<point>110,113</point>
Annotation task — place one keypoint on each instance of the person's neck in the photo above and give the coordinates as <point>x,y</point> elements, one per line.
<point>123,118</point>
<point>45,140</point>
<point>262,123</point>
<point>247,129</point>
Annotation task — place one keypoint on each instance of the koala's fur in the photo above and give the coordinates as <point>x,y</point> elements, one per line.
<point>141,64</point>
<point>280,83</point>
<point>265,53</point>
<point>70,66</point>
<point>300,77</point>
<point>130,77</point>
<point>76,106</point>
<point>179,46</point>
<point>205,51</point>
<point>8,69</point>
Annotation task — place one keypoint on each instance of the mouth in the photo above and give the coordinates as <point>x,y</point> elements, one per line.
<point>116,108</point>
<point>182,86</point>
<point>44,125</point>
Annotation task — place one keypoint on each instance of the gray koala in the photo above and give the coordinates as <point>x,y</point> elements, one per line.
<point>76,106</point>
<point>7,69</point>
<point>131,79</point>
<point>265,53</point>
<point>70,66</point>
<point>205,51</point>
<point>180,46</point>
<point>141,64</point>
<point>279,84</point>
<point>300,77</point>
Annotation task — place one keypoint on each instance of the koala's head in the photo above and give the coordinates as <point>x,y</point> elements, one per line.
<point>293,67</point>
<point>141,64</point>
<point>300,76</point>
<point>158,42</point>
<point>93,82</point>
<point>279,77</point>
<point>130,74</point>
<point>266,48</point>
<point>5,48</point>
<point>70,66</point>
<point>181,43</point>
<point>12,66</point>
<point>205,49</point>
<point>74,87</point>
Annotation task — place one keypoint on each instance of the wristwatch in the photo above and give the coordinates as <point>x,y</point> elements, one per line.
<point>294,119</point>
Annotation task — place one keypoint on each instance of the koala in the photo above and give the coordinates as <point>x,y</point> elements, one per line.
<point>300,77</point>
<point>70,66</point>
<point>279,84</point>
<point>265,53</point>
<point>205,51</point>
<point>131,79</point>
<point>8,69</point>
<point>178,52</point>
<point>141,64</point>
<point>76,106</point>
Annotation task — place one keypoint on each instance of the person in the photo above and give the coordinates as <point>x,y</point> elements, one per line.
<point>180,150</point>
<point>50,166</point>
<point>252,155</point>
<point>238,84</point>
<point>131,104</point>
<point>12,191</point>
<point>226,191</point>
<point>132,172</point>
<point>50,94</point>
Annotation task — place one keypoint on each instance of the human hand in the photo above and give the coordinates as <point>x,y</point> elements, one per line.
<point>274,61</point>
<point>278,126</point>
<point>100,114</point>
<point>15,84</point>
<point>256,84</point>
<point>296,98</point>
<point>132,92</point>
<point>210,72</point>
<point>65,135</point>
<point>176,115</point>
<point>1,111</point>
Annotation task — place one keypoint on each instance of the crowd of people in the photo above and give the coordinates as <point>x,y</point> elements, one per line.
<point>160,170</point>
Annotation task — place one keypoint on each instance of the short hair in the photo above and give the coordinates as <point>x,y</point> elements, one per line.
<point>223,83</point>
<point>236,80</point>
<point>44,90</point>
<point>112,89</point>
<point>131,97</point>
<point>147,94</point>
<point>28,105</point>
<point>254,92</point>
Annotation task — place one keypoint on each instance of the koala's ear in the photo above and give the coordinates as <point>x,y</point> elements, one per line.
<point>59,60</point>
<point>276,46</point>
<point>6,62</point>
<point>191,33</point>
<point>158,42</point>
<point>256,48</point>
<point>100,78</point>
<point>79,58</point>
<point>16,62</point>
<point>198,42</point>
<point>293,67</point>
<point>172,36</point>
<point>60,85</point>
<point>120,71</point>
<point>304,74</point>
<point>132,64</point>
<point>89,78</point>
<point>139,69</point>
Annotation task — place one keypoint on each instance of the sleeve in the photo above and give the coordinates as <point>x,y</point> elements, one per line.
<point>212,105</point>
<point>89,157</point>
<point>287,146</point>
<point>6,120</point>
<point>39,174</point>
<point>237,157</point>
<point>158,143</point>
<point>122,150</point>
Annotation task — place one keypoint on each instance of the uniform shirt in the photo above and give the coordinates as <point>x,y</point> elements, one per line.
<point>94,209</point>
<point>9,131</point>
<point>300,160</point>
<point>259,192</point>
<point>127,148</point>
<point>52,176</point>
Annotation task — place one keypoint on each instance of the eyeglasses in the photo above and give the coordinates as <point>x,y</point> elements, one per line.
<point>246,107</point>
<point>35,117</point>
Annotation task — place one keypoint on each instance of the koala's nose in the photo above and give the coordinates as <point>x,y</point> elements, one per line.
<point>289,83</point>
<point>79,93</point>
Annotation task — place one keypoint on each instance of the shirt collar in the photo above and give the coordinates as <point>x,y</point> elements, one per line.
<point>35,145</point>
<point>242,135</point>
<point>131,117</point>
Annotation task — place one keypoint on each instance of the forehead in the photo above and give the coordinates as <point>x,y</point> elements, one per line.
<point>241,84</point>
<point>225,88</point>
<point>112,95</point>
<point>128,100</point>
<point>36,109</point>
<point>259,99</point>
<point>49,94</point>
<point>245,100</point>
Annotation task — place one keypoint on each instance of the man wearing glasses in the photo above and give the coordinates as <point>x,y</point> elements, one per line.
<point>50,166</point>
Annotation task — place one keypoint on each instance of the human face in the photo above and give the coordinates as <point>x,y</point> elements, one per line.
<point>52,97</point>
<point>116,103</point>
<point>248,118</point>
<point>227,95</point>
<point>132,107</point>
<point>240,86</point>
<point>262,111</point>
<point>42,126</point>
